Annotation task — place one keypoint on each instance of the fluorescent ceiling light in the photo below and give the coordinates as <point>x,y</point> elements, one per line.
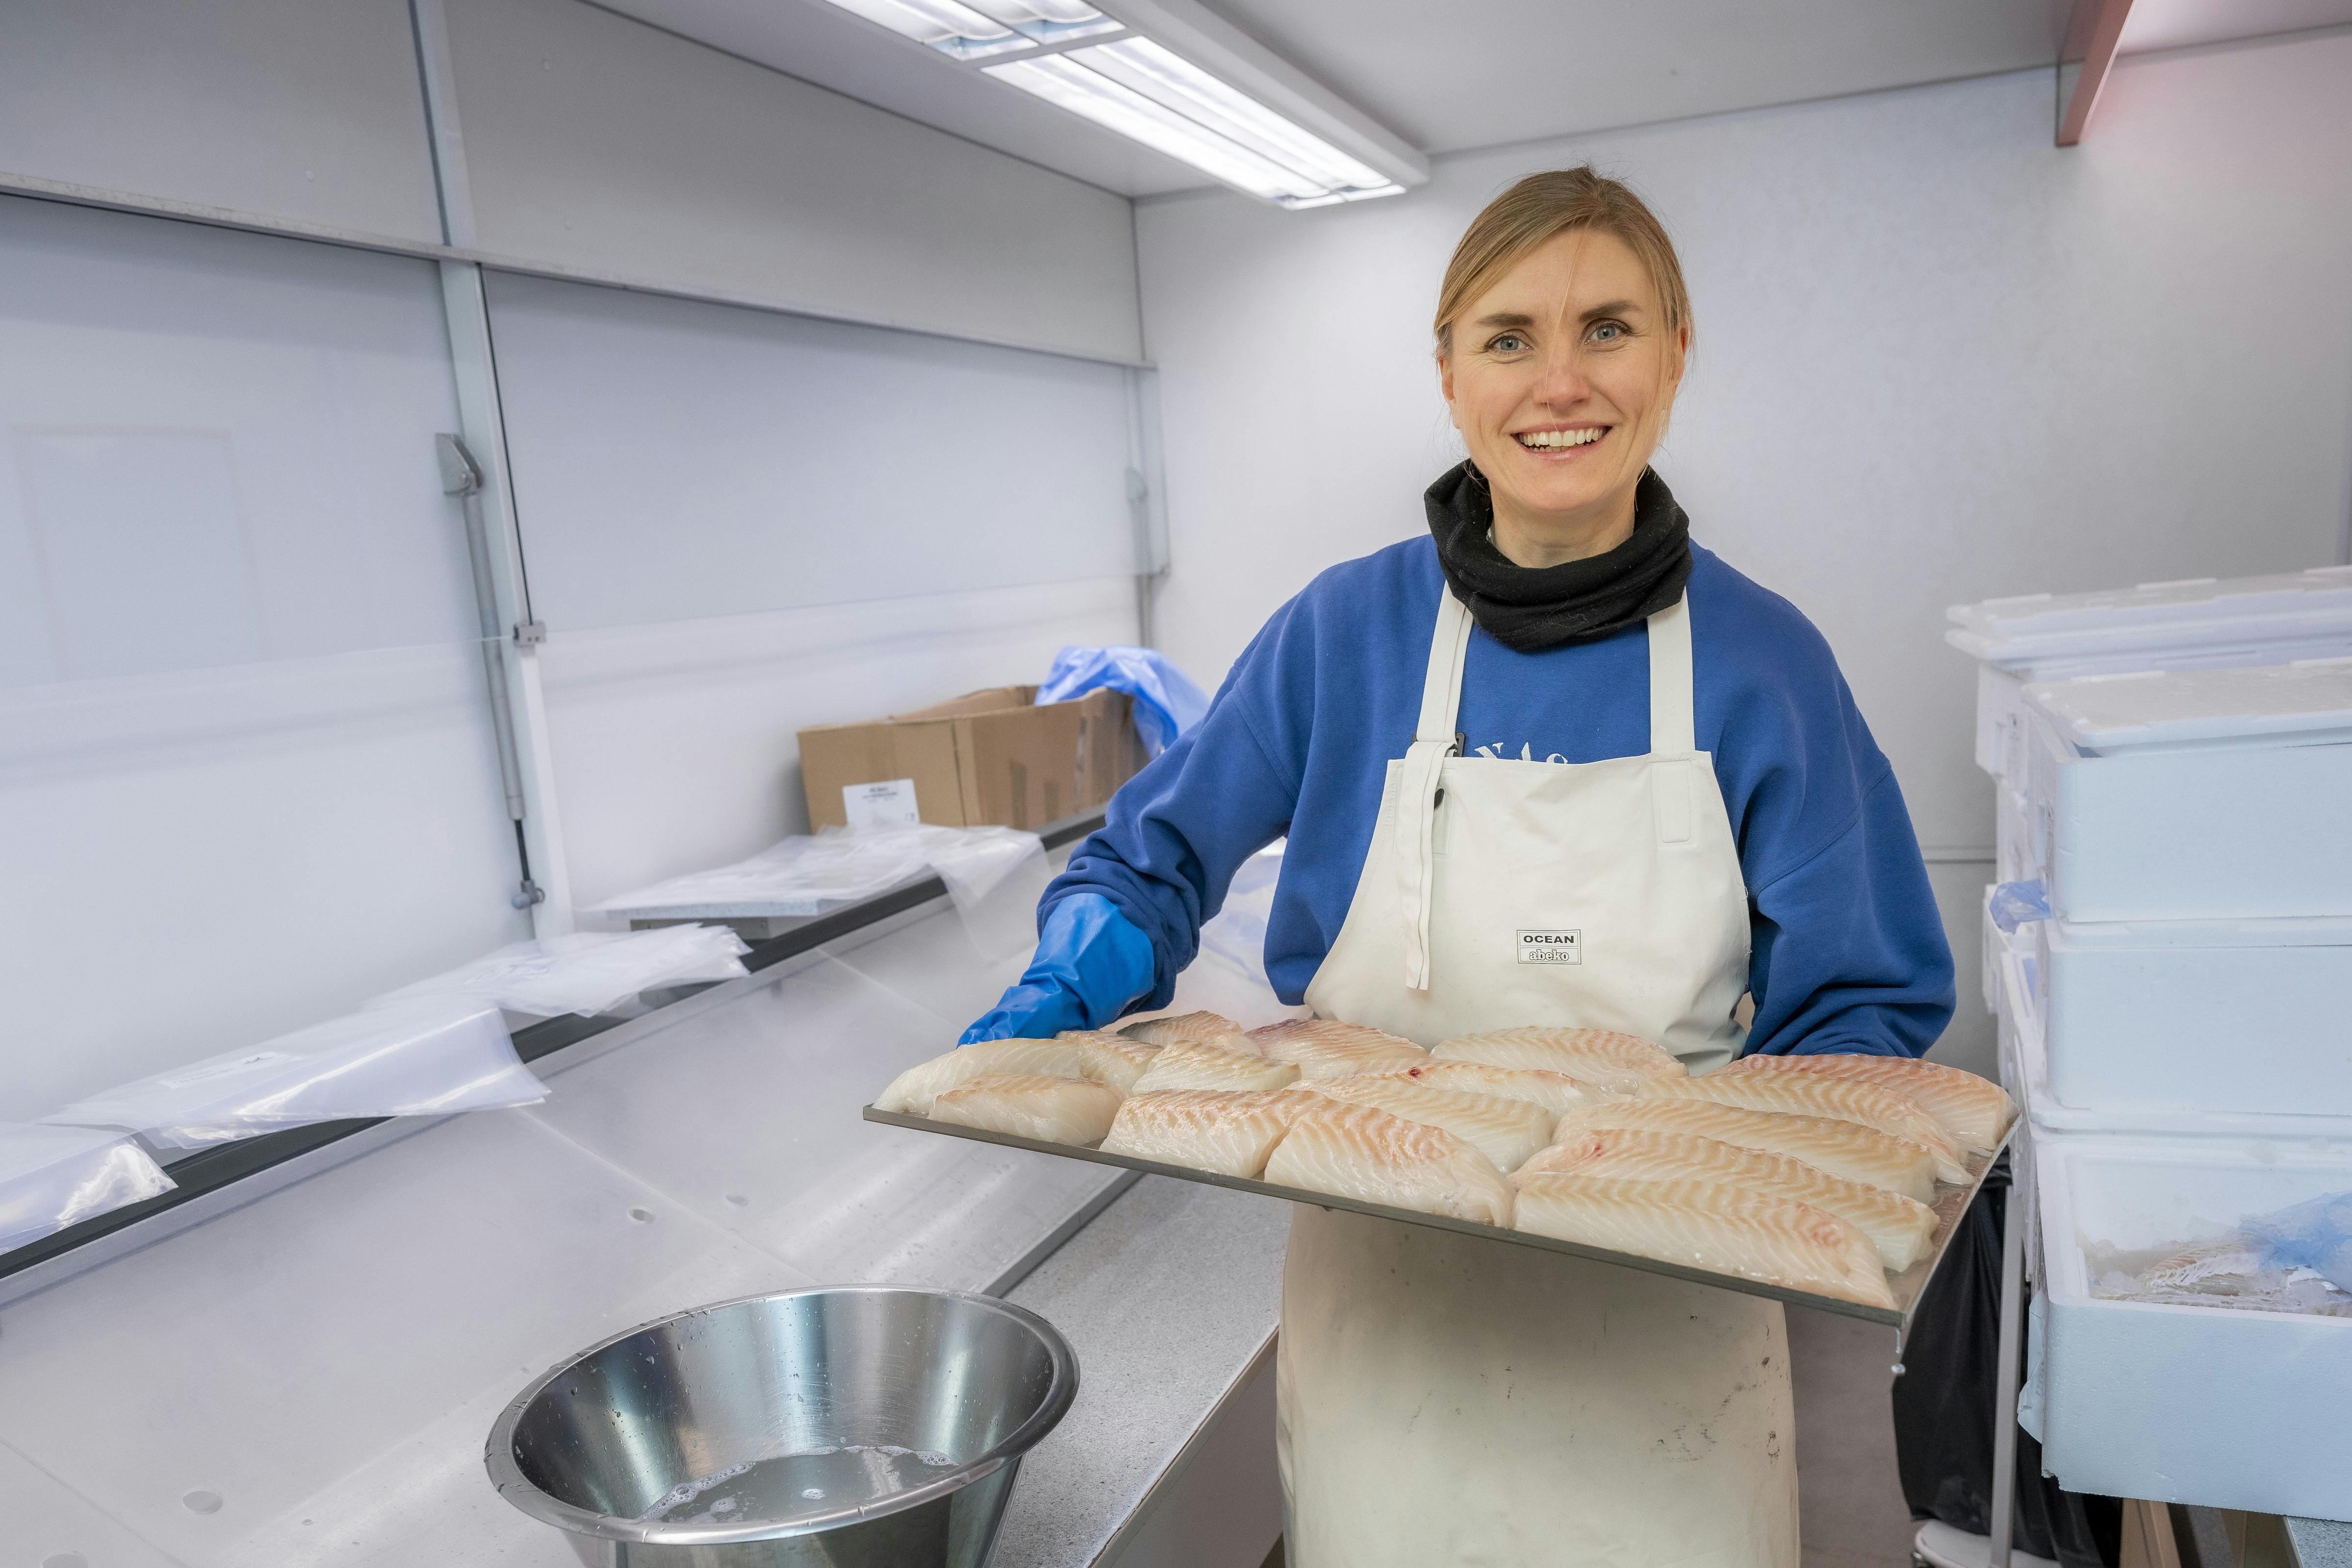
<point>984,27</point>
<point>1058,79</point>
<point>1255,136</point>
<point>1141,90</point>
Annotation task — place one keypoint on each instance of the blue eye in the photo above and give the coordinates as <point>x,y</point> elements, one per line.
<point>1608,331</point>
<point>1508,343</point>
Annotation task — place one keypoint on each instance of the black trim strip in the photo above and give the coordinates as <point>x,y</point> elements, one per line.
<point>209,1170</point>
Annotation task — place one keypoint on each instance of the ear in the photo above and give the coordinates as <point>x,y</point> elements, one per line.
<point>1446,379</point>
<point>1678,356</point>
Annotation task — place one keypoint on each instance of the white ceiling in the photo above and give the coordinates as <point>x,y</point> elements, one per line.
<point>1451,75</point>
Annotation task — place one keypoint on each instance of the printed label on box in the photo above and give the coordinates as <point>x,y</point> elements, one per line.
<point>884,803</point>
<point>1551,946</point>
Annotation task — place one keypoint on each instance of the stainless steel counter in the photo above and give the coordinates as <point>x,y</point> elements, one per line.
<point>303,1372</point>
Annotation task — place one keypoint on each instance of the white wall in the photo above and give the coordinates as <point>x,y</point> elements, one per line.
<point>307,110</point>
<point>1938,360</point>
<point>246,774</point>
<point>609,146</point>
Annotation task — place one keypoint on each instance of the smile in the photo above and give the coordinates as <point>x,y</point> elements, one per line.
<point>1555,440</point>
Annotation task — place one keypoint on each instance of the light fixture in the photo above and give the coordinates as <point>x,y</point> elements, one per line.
<point>1177,78</point>
<point>981,29</point>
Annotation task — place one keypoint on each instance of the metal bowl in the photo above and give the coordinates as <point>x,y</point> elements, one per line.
<point>839,1427</point>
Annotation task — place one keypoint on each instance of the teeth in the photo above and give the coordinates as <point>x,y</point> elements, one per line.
<point>1546,440</point>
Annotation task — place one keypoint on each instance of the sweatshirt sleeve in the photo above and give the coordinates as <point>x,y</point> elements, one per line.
<point>1177,831</point>
<point>1848,951</point>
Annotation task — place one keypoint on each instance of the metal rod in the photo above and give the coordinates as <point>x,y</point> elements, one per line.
<point>2005,1359</point>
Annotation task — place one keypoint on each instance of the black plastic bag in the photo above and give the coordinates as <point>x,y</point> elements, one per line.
<point>1945,1408</point>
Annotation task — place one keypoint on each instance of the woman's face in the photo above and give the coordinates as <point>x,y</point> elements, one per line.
<point>1560,377</point>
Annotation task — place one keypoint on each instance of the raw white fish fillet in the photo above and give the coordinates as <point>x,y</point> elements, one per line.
<point>1210,1129</point>
<point>1701,1225</point>
<point>1901,1228</point>
<point>1200,1066</point>
<point>1191,1028</point>
<point>1619,1062</point>
<point>1865,1105</point>
<point>1554,1092</point>
<point>1507,1132</point>
<point>911,1092</point>
<point>1321,1048</point>
<point>1030,1105</point>
<point>1841,1148</point>
<point>1975,1111</point>
<point>1364,1153</point>
<point>1111,1058</point>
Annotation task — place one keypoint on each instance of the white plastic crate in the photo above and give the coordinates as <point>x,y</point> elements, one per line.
<point>2196,1016</point>
<point>2201,623</point>
<point>2215,1406</point>
<point>2183,796</point>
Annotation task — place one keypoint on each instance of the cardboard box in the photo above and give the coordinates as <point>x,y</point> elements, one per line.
<point>990,758</point>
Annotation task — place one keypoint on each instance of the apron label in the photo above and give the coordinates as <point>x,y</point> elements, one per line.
<point>1551,946</point>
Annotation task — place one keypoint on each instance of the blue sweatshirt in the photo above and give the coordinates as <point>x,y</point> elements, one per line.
<point>1849,953</point>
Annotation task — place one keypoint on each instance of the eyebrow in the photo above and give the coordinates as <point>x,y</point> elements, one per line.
<point>1502,318</point>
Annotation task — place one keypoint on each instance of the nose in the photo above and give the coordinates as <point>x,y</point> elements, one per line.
<point>1561,383</point>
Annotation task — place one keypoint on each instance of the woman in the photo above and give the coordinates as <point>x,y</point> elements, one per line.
<point>1614,751</point>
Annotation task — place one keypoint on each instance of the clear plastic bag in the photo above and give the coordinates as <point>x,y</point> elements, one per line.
<point>994,874</point>
<point>427,1057</point>
<point>1166,701</point>
<point>586,972</point>
<point>51,1177</point>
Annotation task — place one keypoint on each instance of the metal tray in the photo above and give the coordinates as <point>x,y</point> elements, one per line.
<point>1952,1202</point>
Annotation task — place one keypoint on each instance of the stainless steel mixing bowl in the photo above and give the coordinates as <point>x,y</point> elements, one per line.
<point>836,1427</point>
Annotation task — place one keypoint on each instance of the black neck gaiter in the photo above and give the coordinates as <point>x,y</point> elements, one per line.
<point>1531,608</point>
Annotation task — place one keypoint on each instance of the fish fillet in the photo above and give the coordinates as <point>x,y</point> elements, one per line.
<point>1902,1229</point>
<point>1554,1092</point>
<point>1196,1065</point>
<point>1030,1105</point>
<point>1321,1047</point>
<point>1841,1148</point>
<point>1111,1058</point>
<point>1619,1062</point>
<point>1974,1110</point>
<point>1701,1225</point>
<point>1210,1129</point>
<point>1191,1028</point>
<point>1507,1132</point>
<point>1864,1104</point>
<point>1364,1153</point>
<point>912,1091</point>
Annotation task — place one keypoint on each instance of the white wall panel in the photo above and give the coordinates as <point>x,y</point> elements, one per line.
<point>675,459</point>
<point>606,146</point>
<point>300,109</point>
<point>674,743</point>
<point>246,776</point>
<point>1938,360</point>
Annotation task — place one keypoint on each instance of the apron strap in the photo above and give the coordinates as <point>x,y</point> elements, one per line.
<point>1673,729</point>
<point>1416,807</point>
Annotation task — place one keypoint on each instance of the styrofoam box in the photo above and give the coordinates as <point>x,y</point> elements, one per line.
<point>2201,623</point>
<point>2214,1405</point>
<point>2013,854</point>
<point>2197,1016</point>
<point>2217,831</point>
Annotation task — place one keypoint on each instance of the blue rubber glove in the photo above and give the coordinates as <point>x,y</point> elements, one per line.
<point>1091,962</point>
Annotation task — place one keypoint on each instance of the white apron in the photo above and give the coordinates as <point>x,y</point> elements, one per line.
<point>1448,1402</point>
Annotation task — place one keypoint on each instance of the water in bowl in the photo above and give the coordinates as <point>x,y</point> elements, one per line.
<point>790,1485</point>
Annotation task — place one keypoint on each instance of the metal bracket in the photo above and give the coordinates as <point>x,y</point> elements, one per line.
<point>527,895</point>
<point>460,475</point>
<point>530,633</point>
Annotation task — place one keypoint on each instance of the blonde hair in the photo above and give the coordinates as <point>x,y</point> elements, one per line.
<point>1540,208</point>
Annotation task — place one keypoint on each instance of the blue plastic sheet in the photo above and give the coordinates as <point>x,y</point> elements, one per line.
<point>2016,904</point>
<point>2317,1235</point>
<point>1167,703</point>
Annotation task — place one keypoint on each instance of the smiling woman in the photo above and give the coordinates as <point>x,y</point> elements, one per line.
<point>1557,717</point>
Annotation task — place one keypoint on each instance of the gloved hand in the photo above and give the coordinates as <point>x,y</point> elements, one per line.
<point>1091,962</point>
